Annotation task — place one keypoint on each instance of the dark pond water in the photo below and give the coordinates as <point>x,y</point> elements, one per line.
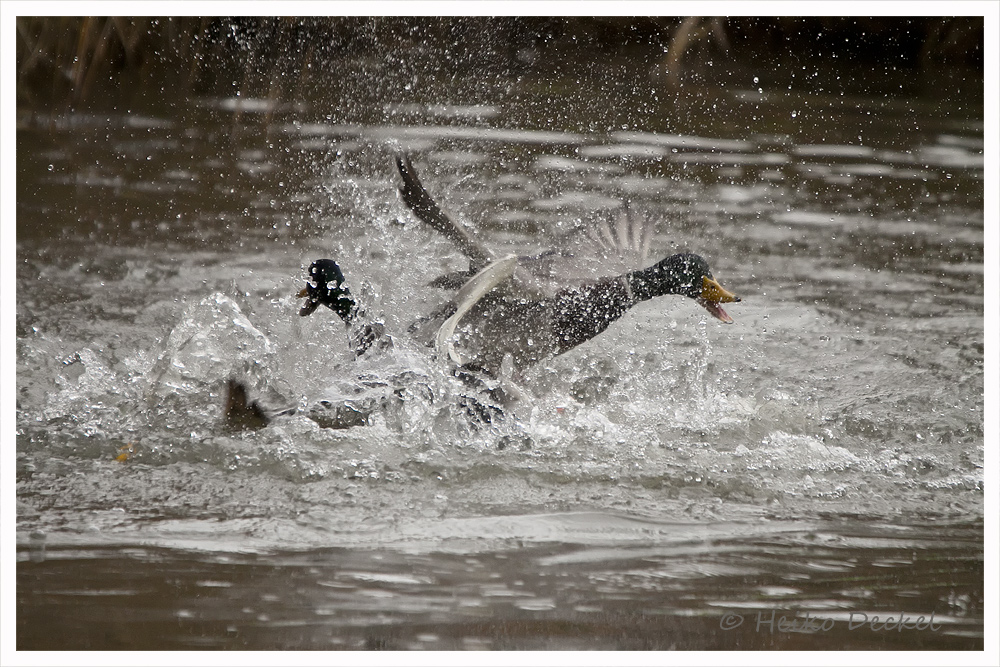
<point>675,483</point>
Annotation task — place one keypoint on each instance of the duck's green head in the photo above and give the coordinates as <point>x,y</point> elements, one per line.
<point>326,288</point>
<point>687,274</point>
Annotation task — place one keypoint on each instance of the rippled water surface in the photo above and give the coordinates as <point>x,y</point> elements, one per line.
<point>669,484</point>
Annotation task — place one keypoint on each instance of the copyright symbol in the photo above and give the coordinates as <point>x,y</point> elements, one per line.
<point>730,621</point>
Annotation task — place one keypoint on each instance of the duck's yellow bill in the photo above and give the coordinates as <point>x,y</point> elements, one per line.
<point>712,294</point>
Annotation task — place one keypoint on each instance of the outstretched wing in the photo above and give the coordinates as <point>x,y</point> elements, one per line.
<point>609,246</point>
<point>606,247</point>
<point>479,286</point>
<point>415,196</point>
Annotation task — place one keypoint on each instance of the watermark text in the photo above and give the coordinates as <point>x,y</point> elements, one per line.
<point>773,621</point>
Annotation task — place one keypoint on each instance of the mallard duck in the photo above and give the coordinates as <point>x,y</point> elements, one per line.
<point>326,287</point>
<point>495,317</point>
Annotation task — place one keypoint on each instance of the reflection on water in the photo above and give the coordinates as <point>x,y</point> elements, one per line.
<point>823,455</point>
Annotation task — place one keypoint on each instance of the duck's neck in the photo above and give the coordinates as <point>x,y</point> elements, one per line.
<point>361,335</point>
<point>648,283</point>
<point>582,313</point>
<point>345,307</point>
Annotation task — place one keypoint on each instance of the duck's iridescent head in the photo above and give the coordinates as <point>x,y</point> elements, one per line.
<point>688,274</point>
<point>326,287</point>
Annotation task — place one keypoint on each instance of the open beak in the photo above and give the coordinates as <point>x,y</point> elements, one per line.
<point>310,306</point>
<point>712,294</point>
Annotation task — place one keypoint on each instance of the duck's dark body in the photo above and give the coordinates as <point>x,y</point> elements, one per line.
<point>532,330</point>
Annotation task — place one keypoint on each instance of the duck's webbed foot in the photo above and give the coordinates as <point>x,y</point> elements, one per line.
<point>239,412</point>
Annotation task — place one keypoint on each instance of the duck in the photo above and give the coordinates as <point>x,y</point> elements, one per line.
<point>501,319</point>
